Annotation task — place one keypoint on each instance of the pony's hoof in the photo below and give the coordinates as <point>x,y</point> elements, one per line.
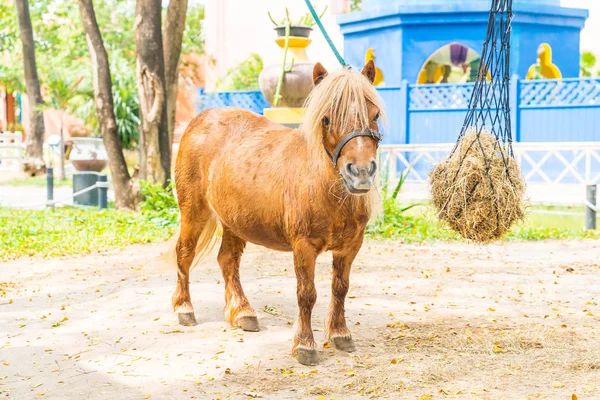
<point>344,344</point>
<point>187,319</point>
<point>308,356</point>
<point>248,324</point>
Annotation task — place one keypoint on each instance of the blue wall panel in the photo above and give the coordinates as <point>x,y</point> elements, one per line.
<point>435,127</point>
<point>571,124</point>
<point>394,100</point>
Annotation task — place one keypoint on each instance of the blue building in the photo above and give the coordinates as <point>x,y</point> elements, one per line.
<point>405,34</point>
<point>408,35</point>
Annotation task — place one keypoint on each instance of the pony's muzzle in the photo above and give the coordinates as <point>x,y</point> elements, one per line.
<point>359,178</point>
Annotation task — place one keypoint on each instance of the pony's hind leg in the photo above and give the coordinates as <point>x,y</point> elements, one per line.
<point>191,228</point>
<point>238,311</point>
<point>336,329</point>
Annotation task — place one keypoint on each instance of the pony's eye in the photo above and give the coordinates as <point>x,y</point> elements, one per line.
<point>325,121</point>
<point>377,117</point>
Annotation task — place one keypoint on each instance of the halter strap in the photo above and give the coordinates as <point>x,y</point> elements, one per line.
<point>336,153</point>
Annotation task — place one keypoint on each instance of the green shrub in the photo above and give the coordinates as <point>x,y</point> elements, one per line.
<point>244,76</point>
<point>394,218</point>
<point>159,204</point>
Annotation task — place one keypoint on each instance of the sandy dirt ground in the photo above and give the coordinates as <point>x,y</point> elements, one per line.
<point>430,322</point>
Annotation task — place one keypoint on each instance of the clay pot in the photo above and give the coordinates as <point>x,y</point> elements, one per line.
<point>298,83</point>
<point>88,154</point>
<point>295,30</point>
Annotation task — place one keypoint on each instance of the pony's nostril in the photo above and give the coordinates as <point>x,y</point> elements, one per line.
<point>373,168</point>
<point>351,169</point>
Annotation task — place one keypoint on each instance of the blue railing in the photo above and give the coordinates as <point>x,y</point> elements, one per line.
<point>252,100</point>
<point>566,110</point>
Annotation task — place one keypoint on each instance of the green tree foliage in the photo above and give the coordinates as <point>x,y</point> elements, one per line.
<point>11,61</point>
<point>355,5</point>
<point>588,65</point>
<point>244,76</point>
<point>193,41</point>
<point>125,98</point>
<point>63,58</point>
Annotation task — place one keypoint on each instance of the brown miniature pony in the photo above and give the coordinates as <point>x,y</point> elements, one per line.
<point>305,191</point>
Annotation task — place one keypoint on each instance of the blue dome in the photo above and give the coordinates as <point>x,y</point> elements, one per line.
<point>406,33</point>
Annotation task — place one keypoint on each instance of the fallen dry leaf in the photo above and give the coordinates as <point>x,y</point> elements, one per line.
<point>271,310</point>
<point>59,323</point>
<point>169,332</point>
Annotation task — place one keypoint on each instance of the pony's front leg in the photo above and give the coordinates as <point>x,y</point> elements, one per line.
<point>336,329</point>
<point>305,257</point>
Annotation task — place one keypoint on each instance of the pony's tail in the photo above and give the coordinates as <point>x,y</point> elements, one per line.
<point>208,239</point>
<point>206,242</point>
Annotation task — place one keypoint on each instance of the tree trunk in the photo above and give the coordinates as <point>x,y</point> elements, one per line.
<point>151,86</point>
<point>34,154</point>
<point>172,39</point>
<point>126,196</point>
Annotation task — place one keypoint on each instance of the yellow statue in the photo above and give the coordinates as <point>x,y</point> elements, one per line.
<point>433,73</point>
<point>370,55</point>
<point>544,67</point>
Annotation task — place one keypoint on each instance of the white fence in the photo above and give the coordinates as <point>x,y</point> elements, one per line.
<point>556,173</point>
<point>11,151</point>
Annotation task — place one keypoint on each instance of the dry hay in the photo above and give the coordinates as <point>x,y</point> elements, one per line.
<point>478,190</point>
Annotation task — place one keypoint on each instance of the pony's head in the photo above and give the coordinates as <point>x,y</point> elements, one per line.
<point>341,119</point>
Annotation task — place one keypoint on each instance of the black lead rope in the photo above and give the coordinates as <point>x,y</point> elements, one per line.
<point>336,153</point>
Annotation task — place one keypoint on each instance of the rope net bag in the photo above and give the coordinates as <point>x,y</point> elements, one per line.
<point>478,189</point>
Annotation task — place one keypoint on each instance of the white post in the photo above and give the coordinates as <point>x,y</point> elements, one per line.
<point>62,149</point>
<point>393,166</point>
<point>20,150</point>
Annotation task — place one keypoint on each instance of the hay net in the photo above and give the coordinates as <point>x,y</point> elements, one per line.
<point>478,189</point>
<point>489,107</point>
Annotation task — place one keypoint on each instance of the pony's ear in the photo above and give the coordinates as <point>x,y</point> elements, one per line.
<point>369,70</point>
<point>319,72</point>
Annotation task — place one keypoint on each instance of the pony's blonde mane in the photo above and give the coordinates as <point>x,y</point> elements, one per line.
<point>343,96</point>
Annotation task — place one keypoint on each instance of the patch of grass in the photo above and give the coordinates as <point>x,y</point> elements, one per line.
<point>420,225</point>
<point>69,231</point>
<point>38,181</point>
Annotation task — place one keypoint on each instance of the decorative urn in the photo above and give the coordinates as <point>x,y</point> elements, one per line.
<point>297,80</point>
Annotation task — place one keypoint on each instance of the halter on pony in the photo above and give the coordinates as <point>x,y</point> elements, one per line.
<point>346,139</point>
